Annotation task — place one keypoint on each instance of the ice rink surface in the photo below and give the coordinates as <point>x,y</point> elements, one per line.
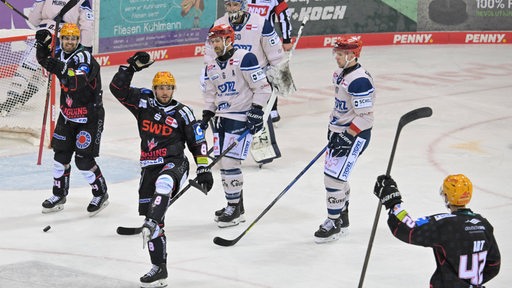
<point>469,89</point>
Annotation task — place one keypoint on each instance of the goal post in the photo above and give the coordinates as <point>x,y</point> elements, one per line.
<point>23,89</point>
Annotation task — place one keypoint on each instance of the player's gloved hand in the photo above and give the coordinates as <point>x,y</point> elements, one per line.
<point>387,191</point>
<point>150,230</point>
<point>255,119</point>
<point>43,37</point>
<point>139,61</point>
<point>204,178</point>
<point>43,41</point>
<point>54,66</point>
<point>340,144</point>
<point>207,115</point>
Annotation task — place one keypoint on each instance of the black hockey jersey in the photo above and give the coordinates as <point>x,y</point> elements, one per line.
<point>465,249</point>
<point>81,92</point>
<point>163,130</point>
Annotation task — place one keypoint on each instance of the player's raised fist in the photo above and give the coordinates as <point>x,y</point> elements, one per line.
<point>140,60</point>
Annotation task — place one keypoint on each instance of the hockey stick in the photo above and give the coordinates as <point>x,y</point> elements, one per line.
<point>266,151</point>
<point>58,20</point>
<point>225,242</point>
<point>191,183</point>
<point>407,118</point>
<point>14,9</point>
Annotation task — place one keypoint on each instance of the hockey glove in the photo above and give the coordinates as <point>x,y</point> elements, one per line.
<point>340,144</point>
<point>150,230</point>
<point>54,66</point>
<point>139,61</point>
<point>43,41</point>
<point>43,37</point>
<point>204,178</point>
<point>207,115</point>
<point>255,119</point>
<point>387,191</point>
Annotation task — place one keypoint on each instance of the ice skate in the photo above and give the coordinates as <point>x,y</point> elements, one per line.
<point>230,216</point>
<point>331,230</point>
<point>97,204</point>
<point>54,204</point>
<point>219,212</point>
<point>156,277</point>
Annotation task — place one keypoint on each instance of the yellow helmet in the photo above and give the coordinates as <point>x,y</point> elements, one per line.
<point>164,78</point>
<point>69,29</point>
<point>457,189</point>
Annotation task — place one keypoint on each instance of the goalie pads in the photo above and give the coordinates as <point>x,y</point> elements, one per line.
<point>264,146</point>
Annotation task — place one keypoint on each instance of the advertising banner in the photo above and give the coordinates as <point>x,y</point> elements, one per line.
<point>139,24</point>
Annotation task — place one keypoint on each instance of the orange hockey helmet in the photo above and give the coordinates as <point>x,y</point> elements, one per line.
<point>222,30</point>
<point>350,43</point>
<point>69,29</point>
<point>457,190</point>
<point>164,78</point>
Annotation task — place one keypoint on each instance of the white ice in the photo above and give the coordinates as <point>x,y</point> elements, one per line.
<point>469,89</point>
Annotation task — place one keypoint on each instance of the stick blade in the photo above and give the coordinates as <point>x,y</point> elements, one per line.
<point>128,230</point>
<point>415,114</point>
<point>225,242</point>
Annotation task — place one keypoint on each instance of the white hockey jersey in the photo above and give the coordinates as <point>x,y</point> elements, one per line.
<point>354,97</point>
<point>255,34</point>
<point>44,11</point>
<point>232,86</point>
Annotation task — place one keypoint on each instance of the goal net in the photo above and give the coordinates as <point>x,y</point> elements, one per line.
<point>23,89</point>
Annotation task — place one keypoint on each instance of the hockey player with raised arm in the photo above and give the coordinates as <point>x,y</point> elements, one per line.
<point>272,10</point>
<point>28,76</point>
<point>349,132</point>
<point>81,120</point>
<point>235,91</point>
<point>165,126</point>
<point>465,250</point>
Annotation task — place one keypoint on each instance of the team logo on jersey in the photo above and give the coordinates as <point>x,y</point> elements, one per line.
<point>83,140</point>
<point>152,144</point>
<point>69,101</point>
<point>171,122</point>
<point>168,166</point>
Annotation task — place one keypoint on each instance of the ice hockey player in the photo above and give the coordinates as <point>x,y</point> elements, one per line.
<point>28,76</point>
<point>466,252</point>
<point>165,127</point>
<point>81,120</point>
<point>257,35</point>
<point>235,91</point>
<point>349,132</point>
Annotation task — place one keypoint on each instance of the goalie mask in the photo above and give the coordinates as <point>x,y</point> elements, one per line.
<point>68,34</point>
<point>163,87</point>
<point>457,190</point>
<point>235,11</point>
